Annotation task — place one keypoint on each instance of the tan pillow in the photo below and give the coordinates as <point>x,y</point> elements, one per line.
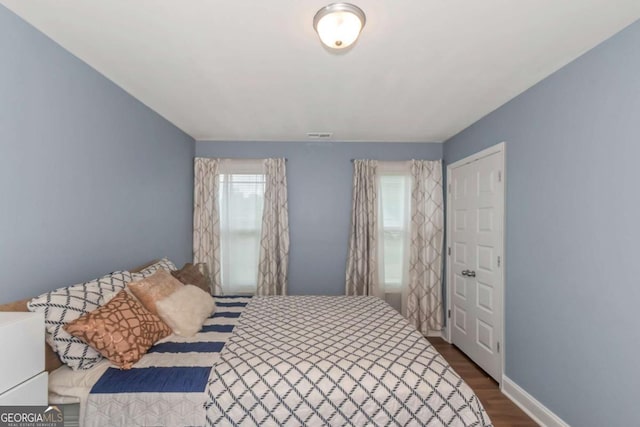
<point>186,309</point>
<point>148,270</point>
<point>190,274</point>
<point>159,285</point>
<point>122,330</point>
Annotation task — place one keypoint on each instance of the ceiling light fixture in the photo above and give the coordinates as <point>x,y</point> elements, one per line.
<point>339,24</point>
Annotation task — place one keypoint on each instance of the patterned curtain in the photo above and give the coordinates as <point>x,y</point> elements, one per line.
<point>424,300</point>
<point>274,240</point>
<point>362,263</point>
<point>206,219</point>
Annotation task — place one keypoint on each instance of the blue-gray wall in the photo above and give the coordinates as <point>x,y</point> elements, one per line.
<point>319,176</point>
<point>573,233</point>
<point>91,180</point>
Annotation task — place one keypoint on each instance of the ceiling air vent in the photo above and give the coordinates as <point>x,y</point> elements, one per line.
<point>319,135</point>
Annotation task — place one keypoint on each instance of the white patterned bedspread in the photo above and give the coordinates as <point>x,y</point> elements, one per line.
<point>167,387</point>
<point>319,360</point>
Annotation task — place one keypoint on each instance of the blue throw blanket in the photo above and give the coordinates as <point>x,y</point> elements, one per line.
<point>168,385</point>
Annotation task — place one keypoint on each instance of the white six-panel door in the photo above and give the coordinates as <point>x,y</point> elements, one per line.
<point>476,260</point>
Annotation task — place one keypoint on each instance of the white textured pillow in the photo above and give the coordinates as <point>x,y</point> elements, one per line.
<point>66,304</point>
<point>185,310</point>
<point>65,382</point>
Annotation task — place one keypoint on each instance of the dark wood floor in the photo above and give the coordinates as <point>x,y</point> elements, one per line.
<point>502,411</point>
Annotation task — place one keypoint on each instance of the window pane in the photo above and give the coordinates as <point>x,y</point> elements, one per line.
<point>393,205</point>
<point>244,200</point>
<point>393,258</point>
<point>241,203</point>
<point>243,260</point>
<point>394,194</point>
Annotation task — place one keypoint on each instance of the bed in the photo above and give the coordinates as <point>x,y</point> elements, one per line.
<point>295,360</point>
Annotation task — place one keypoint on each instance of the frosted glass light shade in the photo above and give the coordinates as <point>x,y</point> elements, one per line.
<point>339,24</point>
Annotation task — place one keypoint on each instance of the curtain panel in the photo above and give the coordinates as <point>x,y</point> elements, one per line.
<point>362,262</point>
<point>274,241</point>
<point>424,293</point>
<point>206,219</point>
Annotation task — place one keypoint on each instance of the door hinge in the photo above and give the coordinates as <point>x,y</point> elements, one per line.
<point>449,250</point>
<point>498,346</point>
<point>449,314</point>
<point>499,176</point>
<point>498,261</point>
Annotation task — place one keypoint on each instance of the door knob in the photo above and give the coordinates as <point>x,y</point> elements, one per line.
<point>468,273</point>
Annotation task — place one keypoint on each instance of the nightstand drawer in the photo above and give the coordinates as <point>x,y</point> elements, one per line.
<point>22,354</point>
<point>33,392</point>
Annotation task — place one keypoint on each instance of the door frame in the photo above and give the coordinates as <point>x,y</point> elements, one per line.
<point>498,148</point>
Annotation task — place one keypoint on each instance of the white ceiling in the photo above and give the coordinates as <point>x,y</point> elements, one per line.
<point>422,70</point>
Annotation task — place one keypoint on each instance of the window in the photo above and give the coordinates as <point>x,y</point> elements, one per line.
<point>241,200</point>
<point>394,233</point>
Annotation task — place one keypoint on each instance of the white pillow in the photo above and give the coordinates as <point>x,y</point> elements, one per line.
<point>67,383</point>
<point>185,310</point>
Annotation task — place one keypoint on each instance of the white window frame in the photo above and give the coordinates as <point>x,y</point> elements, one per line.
<point>395,169</point>
<point>235,167</point>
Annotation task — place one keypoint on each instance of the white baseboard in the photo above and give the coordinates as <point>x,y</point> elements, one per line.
<point>434,334</point>
<point>536,410</point>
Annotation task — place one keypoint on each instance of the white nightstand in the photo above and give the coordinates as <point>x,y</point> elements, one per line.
<point>22,377</point>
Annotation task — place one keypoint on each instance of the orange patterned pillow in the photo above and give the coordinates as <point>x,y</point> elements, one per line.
<point>122,330</point>
<point>159,285</point>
